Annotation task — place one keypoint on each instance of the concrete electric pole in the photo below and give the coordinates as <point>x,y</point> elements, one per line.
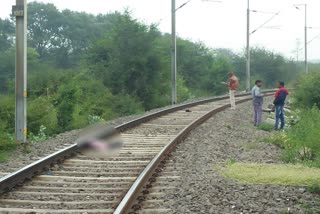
<point>173,54</point>
<point>20,12</point>
<point>248,49</point>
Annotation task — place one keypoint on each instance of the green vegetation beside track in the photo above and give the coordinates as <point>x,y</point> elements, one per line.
<point>299,160</point>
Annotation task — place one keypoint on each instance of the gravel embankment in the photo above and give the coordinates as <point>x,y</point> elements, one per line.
<point>229,135</point>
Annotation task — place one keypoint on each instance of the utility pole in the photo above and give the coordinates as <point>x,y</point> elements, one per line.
<point>174,48</point>
<point>305,39</point>
<point>305,35</point>
<point>20,12</point>
<point>248,49</point>
<point>173,54</point>
<point>297,53</point>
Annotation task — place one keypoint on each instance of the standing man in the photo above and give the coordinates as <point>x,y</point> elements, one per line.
<point>232,84</point>
<point>257,101</point>
<point>280,97</point>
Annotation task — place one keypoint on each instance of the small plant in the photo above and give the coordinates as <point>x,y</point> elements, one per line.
<point>309,209</point>
<point>41,136</point>
<point>26,149</point>
<point>231,161</point>
<point>305,153</point>
<point>314,188</point>
<point>229,127</point>
<point>265,126</point>
<point>279,139</point>
<point>93,119</point>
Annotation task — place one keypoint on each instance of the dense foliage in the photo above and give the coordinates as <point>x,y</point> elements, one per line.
<point>300,142</point>
<point>82,66</point>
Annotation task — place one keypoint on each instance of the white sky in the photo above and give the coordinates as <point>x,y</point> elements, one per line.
<point>219,25</point>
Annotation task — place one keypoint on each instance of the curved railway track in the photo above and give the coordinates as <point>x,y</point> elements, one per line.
<point>120,183</point>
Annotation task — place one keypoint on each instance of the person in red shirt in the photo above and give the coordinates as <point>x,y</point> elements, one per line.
<point>232,84</point>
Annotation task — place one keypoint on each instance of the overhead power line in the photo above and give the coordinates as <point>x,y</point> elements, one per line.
<point>266,22</point>
<point>184,4</point>
<point>317,36</point>
<point>259,11</point>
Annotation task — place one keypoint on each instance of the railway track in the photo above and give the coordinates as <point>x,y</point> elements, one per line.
<point>71,182</point>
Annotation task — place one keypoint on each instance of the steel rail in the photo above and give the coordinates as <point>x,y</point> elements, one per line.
<point>28,172</point>
<point>130,201</point>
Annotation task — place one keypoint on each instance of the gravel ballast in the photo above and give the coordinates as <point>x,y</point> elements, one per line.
<point>230,136</point>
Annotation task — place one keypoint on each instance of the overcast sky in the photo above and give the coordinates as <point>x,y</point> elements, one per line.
<point>219,25</point>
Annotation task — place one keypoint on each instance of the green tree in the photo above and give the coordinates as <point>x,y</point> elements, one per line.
<point>217,74</point>
<point>269,67</point>
<point>6,34</point>
<point>44,28</point>
<point>126,61</point>
<point>307,93</point>
<point>82,96</point>
<point>7,69</point>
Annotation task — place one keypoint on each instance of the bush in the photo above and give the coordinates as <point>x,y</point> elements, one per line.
<point>41,112</point>
<point>7,111</point>
<point>41,136</point>
<point>183,92</point>
<point>126,105</point>
<point>301,142</point>
<point>92,119</point>
<point>6,142</point>
<point>307,93</point>
<point>305,136</point>
<point>6,145</point>
<point>84,100</point>
<point>279,139</point>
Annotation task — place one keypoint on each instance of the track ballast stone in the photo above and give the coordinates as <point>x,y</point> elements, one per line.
<point>230,136</point>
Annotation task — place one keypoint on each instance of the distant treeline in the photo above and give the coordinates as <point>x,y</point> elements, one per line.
<point>82,66</point>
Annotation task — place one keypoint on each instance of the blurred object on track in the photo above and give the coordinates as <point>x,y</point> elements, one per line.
<point>101,142</point>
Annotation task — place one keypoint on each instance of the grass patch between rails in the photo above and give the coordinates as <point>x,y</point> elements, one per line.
<point>286,174</point>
